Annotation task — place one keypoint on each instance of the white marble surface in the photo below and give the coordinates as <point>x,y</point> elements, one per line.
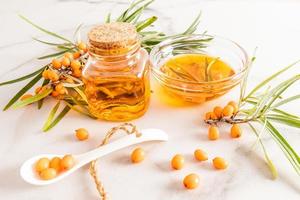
<point>272,26</point>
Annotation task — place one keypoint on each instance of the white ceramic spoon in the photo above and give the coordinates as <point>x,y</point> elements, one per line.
<point>28,173</point>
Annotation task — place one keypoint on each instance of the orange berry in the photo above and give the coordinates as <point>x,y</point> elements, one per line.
<point>60,88</point>
<point>45,74</point>
<point>55,163</point>
<point>67,162</point>
<point>177,162</point>
<point>191,181</point>
<point>220,163</point>
<point>138,155</point>
<point>82,134</point>
<point>56,63</point>
<point>200,155</point>
<point>76,55</point>
<point>77,73</point>
<point>210,115</point>
<point>53,76</point>
<point>218,111</point>
<point>25,96</point>
<point>82,46</point>
<point>48,174</point>
<point>68,55</point>
<point>228,111</point>
<point>41,164</point>
<point>69,80</point>
<point>75,65</point>
<point>66,62</point>
<point>54,93</point>
<point>213,132</point>
<point>235,131</point>
<point>235,106</point>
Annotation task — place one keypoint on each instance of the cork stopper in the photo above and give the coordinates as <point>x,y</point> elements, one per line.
<point>112,38</point>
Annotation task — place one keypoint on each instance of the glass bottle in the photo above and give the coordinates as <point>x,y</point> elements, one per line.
<point>116,75</point>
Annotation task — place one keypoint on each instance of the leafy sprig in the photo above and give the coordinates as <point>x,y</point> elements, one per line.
<point>75,99</point>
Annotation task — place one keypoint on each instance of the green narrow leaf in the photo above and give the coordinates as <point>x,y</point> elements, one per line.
<point>284,119</point>
<point>50,43</point>
<point>285,113</point>
<point>24,77</point>
<point>277,91</point>
<point>80,111</point>
<point>44,30</point>
<point>267,80</point>
<point>269,162</point>
<point>24,90</point>
<point>33,99</point>
<point>192,28</point>
<point>81,93</point>
<point>51,116</point>
<point>58,118</point>
<point>289,152</point>
<point>287,100</point>
<point>125,13</point>
<point>40,102</point>
<point>145,23</point>
<point>56,54</point>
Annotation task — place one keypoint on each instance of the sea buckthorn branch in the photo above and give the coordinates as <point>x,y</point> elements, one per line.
<point>261,108</point>
<point>61,78</point>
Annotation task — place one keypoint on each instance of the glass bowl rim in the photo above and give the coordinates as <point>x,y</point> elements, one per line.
<point>168,42</point>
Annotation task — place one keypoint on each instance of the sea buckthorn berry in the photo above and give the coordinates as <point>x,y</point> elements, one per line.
<point>66,62</point>
<point>82,46</point>
<point>177,162</point>
<point>220,163</point>
<point>82,134</point>
<point>68,55</point>
<point>25,96</point>
<point>235,106</point>
<point>77,73</point>
<point>218,111</point>
<point>56,63</point>
<point>53,76</point>
<point>200,155</point>
<point>75,65</point>
<point>67,162</point>
<point>228,111</point>
<point>54,93</point>
<point>76,55</point>
<point>213,132</point>
<point>45,74</point>
<point>48,174</point>
<point>210,115</point>
<point>55,164</point>
<point>138,155</point>
<point>235,131</point>
<point>191,181</point>
<point>60,88</point>
<point>42,164</point>
<point>69,80</point>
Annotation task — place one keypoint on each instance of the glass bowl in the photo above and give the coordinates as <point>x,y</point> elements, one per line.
<point>197,92</point>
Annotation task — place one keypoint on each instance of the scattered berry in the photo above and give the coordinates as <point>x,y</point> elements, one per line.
<point>177,162</point>
<point>67,162</point>
<point>138,155</point>
<point>220,163</point>
<point>82,134</point>
<point>191,181</point>
<point>200,155</point>
<point>42,164</point>
<point>55,164</point>
<point>48,174</point>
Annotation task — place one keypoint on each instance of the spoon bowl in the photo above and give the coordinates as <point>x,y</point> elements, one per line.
<point>29,174</point>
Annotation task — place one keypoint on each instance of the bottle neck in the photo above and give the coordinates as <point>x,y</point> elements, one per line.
<point>115,61</point>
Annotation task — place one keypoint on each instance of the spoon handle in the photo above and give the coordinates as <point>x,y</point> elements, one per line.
<point>146,135</point>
